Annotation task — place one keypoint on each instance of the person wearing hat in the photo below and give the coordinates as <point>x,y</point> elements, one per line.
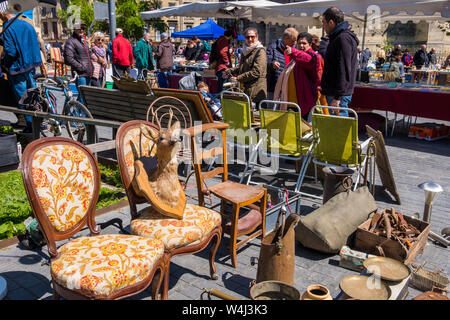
<point>21,55</point>
<point>165,54</point>
<point>122,55</point>
<point>76,55</point>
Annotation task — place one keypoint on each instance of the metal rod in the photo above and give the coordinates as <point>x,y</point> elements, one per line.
<point>439,239</point>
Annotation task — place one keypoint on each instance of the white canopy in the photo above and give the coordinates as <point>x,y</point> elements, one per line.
<point>226,9</point>
<point>291,13</point>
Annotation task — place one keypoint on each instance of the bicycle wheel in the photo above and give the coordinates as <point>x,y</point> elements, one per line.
<point>77,130</point>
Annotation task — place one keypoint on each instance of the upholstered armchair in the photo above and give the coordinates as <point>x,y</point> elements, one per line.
<point>62,182</point>
<point>198,227</point>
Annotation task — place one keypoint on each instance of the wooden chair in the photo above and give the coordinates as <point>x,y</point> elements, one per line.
<point>239,195</point>
<point>62,181</point>
<point>192,234</point>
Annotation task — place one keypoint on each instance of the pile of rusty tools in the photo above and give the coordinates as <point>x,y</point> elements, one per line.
<point>393,226</point>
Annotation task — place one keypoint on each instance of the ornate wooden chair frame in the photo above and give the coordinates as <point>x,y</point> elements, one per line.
<point>51,235</point>
<point>135,199</point>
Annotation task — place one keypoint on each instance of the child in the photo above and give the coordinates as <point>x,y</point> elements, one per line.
<point>211,101</point>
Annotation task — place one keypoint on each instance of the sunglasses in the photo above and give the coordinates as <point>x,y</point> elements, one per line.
<point>100,40</point>
<point>250,37</point>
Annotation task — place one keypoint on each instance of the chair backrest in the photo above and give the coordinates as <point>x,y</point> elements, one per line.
<point>55,54</point>
<point>335,138</point>
<point>283,128</point>
<point>62,181</point>
<point>199,155</point>
<point>129,135</point>
<point>236,110</point>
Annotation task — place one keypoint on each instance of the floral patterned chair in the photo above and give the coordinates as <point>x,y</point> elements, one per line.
<point>62,181</point>
<point>189,235</point>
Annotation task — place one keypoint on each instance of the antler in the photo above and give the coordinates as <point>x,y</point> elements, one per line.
<point>170,118</point>
<point>155,116</point>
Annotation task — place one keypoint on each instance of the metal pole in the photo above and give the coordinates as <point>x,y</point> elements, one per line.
<point>112,19</point>
<point>364,32</point>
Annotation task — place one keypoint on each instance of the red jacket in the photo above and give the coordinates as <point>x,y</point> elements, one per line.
<point>122,54</point>
<point>307,77</point>
<point>223,54</point>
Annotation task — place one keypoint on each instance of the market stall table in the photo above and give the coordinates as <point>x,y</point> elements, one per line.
<point>422,102</point>
<point>173,80</point>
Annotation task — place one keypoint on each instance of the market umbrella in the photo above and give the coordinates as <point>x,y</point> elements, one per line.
<point>309,12</point>
<point>208,30</point>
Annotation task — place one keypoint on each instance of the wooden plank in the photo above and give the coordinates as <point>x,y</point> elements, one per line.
<point>102,146</point>
<point>383,164</point>
<point>211,153</point>
<point>212,173</point>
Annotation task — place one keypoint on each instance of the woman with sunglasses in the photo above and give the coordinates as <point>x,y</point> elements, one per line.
<point>99,60</point>
<point>252,70</point>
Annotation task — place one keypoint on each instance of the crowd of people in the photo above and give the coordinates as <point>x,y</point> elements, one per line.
<point>298,67</point>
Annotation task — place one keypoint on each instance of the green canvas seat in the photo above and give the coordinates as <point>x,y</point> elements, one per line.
<point>335,141</point>
<point>282,132</point>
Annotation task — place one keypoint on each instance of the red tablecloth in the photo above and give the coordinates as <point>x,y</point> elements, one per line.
<point>426,104</point>
<point>173,80</point>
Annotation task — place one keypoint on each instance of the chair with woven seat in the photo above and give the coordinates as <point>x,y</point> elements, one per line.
<point>62,182</point>
<point>198,227</point>
<point>237,194</point>
<point>335,142</point>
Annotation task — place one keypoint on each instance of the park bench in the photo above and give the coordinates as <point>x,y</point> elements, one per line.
<point>124,106</point>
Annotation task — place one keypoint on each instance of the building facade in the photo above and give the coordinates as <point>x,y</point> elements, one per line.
<point>50,25</point>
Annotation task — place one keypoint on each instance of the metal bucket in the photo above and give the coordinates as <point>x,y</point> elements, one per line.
<point>337,179</point>
<point>273,290</point>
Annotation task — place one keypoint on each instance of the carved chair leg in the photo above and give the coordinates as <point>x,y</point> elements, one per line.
<point>55,294</point>
<point>158,279</point>
<point>165,289</point>
<point>212,254</point>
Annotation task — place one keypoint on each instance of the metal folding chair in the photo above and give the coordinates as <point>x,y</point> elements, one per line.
<point>335,142</point>
<point>236,111</point>
<point>283,135</point>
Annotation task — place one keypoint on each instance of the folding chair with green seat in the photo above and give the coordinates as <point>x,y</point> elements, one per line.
<point>236,111</point>
<point>335,142</point>
<point>283,132</point>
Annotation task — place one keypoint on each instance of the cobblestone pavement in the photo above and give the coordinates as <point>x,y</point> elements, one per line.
<point>413,161</point>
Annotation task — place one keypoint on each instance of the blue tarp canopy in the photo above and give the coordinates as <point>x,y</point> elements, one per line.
<point>208,30</point>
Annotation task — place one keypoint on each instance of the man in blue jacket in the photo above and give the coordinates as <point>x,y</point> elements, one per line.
<point>277,60</point>
<point>340,60</point>
<point>21,55</point>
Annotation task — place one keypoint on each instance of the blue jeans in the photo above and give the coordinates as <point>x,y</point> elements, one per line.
<point>21,83</point>
<point>82,81</point>
<point>345,101</point>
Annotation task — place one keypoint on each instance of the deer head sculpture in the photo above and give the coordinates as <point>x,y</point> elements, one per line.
<point>159,183</point>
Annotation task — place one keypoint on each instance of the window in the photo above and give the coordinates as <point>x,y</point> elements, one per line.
<point>54,13</point>
<point>188,26</point>
<point>158,35</point>
<point>45,25</point>
<point>172,4</point>
<point>55,30</point>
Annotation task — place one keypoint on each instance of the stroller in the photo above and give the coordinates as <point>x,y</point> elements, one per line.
<point>190,82</point>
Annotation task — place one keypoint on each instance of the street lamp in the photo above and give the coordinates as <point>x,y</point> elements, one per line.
<point>431,190</point>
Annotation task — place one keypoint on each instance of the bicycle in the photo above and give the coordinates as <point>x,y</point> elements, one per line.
<point>72,107</point>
